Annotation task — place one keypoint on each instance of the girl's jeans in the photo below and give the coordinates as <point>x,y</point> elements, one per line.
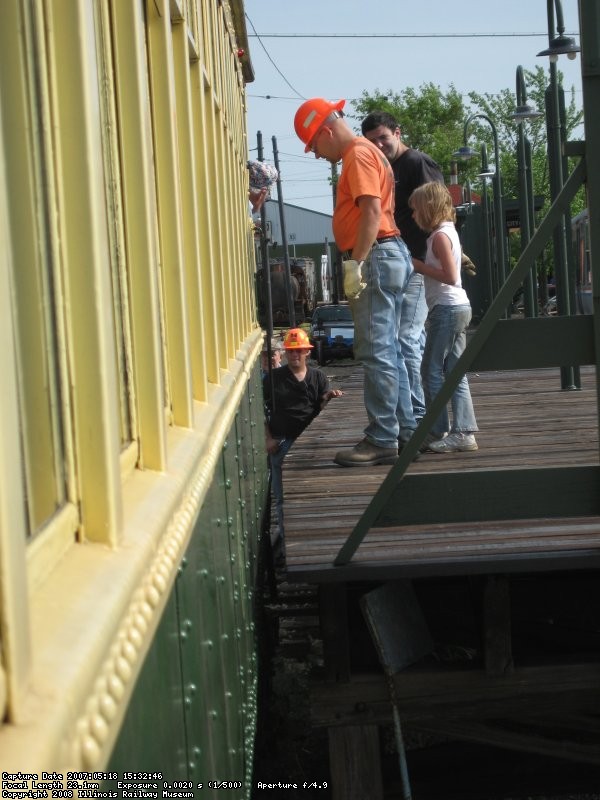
<point>446,341</point>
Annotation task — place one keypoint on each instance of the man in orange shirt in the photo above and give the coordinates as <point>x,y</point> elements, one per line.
<point>377,268</point>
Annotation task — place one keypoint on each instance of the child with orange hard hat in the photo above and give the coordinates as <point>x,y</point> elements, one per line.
<point>294,396</point>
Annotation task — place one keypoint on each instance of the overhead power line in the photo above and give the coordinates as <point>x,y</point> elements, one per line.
<point>396,35</point>
<point>271,60</point>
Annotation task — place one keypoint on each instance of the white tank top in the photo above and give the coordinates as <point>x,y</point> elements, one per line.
<point>437,293</point>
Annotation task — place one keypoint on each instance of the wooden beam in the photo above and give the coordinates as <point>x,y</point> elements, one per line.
<point>438,694</point>
<point>530,736</point>
<point>497,646</point>
<point>333,613</point>
<point>355,763</point>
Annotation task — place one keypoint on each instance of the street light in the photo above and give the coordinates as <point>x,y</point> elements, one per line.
<point>561,44</point>
<point>522,113</point>
<point>554,96</point>
<point>485,173</point>
<point>465,153</point>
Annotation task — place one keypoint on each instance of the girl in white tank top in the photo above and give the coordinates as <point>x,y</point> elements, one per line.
<point>448,319</point>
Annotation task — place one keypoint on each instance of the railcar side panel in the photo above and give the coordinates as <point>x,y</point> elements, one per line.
<point>134,477</point>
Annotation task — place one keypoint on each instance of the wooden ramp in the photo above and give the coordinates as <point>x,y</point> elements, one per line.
<point>527,500</point>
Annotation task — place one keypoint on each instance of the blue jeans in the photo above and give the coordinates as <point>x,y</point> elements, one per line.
<point>276,463</point>
<point>377,314</point>
<point>446,341</point>
<point>412,339</point>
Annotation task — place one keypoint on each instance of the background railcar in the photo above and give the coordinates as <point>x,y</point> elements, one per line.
<point>304,294</point>
<point>133,475</point>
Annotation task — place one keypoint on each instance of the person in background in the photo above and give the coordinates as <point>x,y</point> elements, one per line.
<point>299,393</point>
<point>411,168</point>
<point>276,351</point>
<point>377,268</point>
<point>261,177</point>
<point>448,319</point>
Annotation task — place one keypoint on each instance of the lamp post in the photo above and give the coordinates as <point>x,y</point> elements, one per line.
<point>526,203</point>
<point>484,174</point>
<point>464,153</point>
<point>558,45</point>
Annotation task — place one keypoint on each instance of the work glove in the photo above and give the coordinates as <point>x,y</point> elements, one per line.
<point>467,265</point>
<point>353,282</point>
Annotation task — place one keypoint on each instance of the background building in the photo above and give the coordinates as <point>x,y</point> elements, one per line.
<point>309,233</point>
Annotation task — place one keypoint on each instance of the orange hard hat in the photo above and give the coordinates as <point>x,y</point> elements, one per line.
<point>311,115</point>
<point>296,339</point>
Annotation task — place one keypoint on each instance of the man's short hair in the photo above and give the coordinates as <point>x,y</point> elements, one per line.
<point>276,345</point>
<point>377,118</point>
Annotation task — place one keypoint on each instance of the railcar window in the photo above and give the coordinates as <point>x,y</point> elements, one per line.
<point>200,33</point>
<point>113,191</point>
<point>207,12</point>
<point>191,19</point>
<point>36,284</point>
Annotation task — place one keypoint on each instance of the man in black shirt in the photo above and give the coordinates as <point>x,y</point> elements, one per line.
<point>411,168</point>
<point>299,393</point>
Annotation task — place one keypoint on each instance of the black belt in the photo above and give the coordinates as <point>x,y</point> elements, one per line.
<point>347,254</point>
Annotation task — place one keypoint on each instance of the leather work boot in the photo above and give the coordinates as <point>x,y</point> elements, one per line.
<point>366,454</point>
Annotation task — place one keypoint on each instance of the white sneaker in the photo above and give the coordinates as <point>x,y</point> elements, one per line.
<point>430,438</point>
<point>454,443</point>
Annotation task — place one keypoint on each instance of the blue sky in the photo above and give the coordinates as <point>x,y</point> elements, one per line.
<point>345,67</point>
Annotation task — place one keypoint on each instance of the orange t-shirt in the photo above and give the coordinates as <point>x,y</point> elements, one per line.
<point>365,171</point>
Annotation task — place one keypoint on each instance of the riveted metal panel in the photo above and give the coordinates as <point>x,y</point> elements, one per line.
<point>203,684</point>
<point>247,557</point>
<point>147,743</point>
<point>261,466</point>
<point>245,455</point>
<point>232,613</point>
<point>210,647</point>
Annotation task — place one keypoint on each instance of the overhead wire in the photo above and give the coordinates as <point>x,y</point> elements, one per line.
<point>301,96</point>
<point>489,35</point>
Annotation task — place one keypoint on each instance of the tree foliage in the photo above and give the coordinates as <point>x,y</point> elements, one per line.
<point>433,121</point>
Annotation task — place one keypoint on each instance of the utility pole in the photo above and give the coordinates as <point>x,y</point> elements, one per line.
<point>337,261</point>
<point>266,275</point>
<point>287,273</point>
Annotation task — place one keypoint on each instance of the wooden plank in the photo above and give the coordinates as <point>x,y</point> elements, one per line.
<point>422,695</point>
<point>355,763</point>
<point>539,739</point>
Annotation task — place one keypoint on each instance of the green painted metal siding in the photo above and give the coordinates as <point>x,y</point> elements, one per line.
<point>193,712</point>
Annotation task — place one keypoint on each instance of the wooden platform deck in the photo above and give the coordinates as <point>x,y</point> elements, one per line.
<point>457,513</point>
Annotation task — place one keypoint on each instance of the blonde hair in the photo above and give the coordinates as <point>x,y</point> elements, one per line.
<point>432,204</point>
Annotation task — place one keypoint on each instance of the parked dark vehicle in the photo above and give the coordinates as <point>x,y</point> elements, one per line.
<point>332,332</point>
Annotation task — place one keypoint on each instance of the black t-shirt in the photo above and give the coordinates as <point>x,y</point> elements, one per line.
<point>296,402</point>
<point>412,169</point>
